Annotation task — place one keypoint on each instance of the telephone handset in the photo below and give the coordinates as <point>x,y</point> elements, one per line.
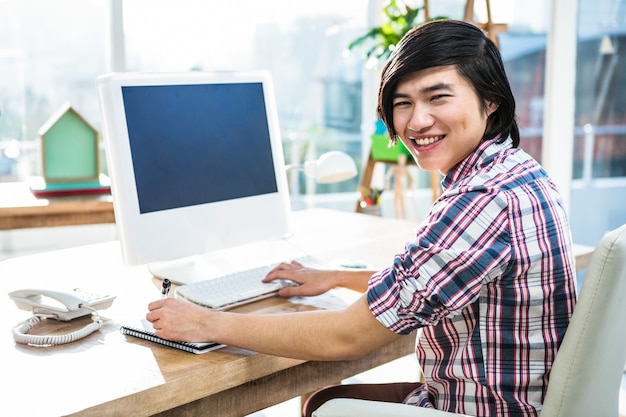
<point>58,305</point>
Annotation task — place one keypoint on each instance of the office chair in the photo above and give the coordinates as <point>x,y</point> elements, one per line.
<point>587,372</point>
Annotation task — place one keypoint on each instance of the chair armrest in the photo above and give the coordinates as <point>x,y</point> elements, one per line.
<point>348,407</point>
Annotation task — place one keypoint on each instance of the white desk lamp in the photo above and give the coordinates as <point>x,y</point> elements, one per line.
<point>333,166</point>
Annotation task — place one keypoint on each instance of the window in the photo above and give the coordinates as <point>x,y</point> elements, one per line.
<point>50,54</point>
<point>600,142</point>
<point>600,119</point>
<point>318,87</point>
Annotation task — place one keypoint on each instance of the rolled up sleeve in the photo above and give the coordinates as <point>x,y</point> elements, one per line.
<point>456,252</point>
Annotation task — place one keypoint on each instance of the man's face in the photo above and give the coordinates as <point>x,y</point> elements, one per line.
<point>439,117</point>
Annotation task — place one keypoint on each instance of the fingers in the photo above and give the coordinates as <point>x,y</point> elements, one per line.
<point>284,270</point>
<point>156,308</point>
<point>288,266</point>
<point>156,304</point>
<point>153,314</point>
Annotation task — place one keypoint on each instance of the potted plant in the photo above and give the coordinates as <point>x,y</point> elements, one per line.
<point>400,18</point>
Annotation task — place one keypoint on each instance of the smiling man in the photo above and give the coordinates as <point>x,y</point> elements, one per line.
<point>489,275</point>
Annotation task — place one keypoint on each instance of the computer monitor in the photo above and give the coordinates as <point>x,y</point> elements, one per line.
<point>195,161</point>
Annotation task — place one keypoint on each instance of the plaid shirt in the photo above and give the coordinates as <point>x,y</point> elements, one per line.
<point>490,281</point>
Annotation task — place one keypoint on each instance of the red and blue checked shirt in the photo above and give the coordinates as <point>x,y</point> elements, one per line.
<point>489,280</point>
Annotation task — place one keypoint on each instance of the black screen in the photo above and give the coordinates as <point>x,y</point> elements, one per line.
<point>197,144</point>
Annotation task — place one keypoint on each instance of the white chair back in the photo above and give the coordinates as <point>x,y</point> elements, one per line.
<point>587,373</point>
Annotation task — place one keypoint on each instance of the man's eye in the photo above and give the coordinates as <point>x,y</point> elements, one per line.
<point>438,97</point>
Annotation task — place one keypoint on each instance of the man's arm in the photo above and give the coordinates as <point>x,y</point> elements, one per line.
<point>317,335</point>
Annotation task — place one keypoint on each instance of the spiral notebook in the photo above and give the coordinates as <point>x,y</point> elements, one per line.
<point>144,330</point>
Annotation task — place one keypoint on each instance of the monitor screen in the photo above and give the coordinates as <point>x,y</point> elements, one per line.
<point>216,133</point>
<point>195,161</point>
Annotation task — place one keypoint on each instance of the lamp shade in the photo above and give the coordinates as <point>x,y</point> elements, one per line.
<point>333,166</point>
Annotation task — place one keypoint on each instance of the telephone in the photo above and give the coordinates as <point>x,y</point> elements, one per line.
<point>61,305</point>
<point>58,305</point>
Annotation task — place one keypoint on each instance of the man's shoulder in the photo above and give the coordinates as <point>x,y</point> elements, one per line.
<point>504,170</point>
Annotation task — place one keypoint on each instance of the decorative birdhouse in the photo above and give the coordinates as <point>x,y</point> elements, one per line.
<point>69,148</point>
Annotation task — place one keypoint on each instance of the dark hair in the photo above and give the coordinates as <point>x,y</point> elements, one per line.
<point>477,59</point>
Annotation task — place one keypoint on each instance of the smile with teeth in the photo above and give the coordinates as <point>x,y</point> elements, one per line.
<point>426,141</point>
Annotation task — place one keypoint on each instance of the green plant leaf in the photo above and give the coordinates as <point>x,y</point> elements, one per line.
<point>382,39</point>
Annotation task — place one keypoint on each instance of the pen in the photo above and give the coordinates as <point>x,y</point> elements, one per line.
<point>165,287</point>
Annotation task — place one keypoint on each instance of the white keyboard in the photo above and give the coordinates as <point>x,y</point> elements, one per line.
<point>238,288</point>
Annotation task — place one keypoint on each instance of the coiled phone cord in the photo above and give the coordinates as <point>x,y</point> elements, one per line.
<point>20,332</point>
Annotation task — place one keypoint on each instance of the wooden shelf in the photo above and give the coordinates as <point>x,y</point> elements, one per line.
<point>19,209</point>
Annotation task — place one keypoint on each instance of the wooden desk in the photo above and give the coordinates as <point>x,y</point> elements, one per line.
<point>19,209</point>
<point>107,374</point>
<point>582,256</point>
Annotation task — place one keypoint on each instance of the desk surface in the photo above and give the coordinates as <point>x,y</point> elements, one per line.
<point>107,374</point>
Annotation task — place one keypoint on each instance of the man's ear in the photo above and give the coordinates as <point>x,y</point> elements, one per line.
<point>491,107</point>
